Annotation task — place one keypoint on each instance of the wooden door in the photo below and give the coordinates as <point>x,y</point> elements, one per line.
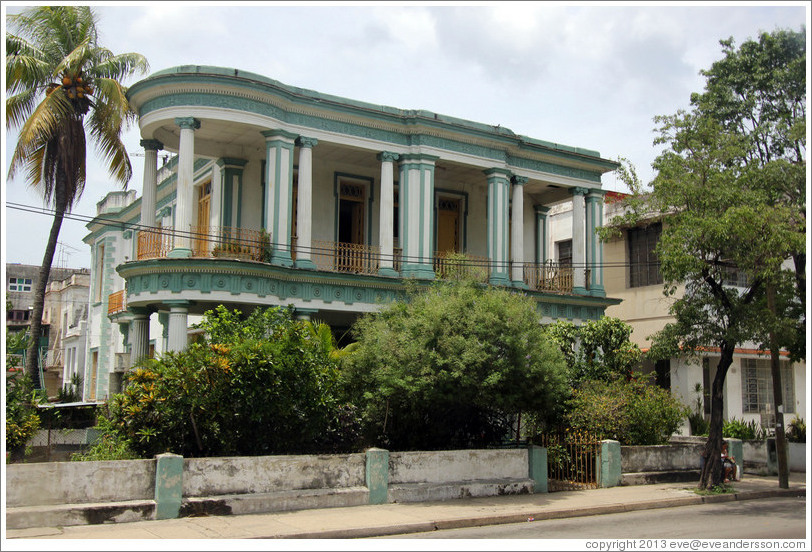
<point>448,226</point>
<point>201,235</point>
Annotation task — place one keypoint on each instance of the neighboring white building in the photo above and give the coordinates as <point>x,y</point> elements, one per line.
<point>631,273</point>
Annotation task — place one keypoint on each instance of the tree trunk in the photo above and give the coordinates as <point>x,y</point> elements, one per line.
<point>712,473</point>
<point>32,356</point>
<point>778,391</point>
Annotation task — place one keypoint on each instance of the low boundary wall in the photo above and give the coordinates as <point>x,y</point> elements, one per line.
<point>79,493</point>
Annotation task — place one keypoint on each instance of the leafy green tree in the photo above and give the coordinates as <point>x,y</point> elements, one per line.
<point>596,350</point>
<point>630,411</point>
<point>59,79</point>
<point>730,193</point>
<point>451,367</point>
<point>253,385</point>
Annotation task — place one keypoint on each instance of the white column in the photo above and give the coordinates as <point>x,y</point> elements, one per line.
<point>183,205</point>
<point>150,188</point>
<point>304,220</point>
<point>386,238</point>
<point>417,215</point>
<point>497,213</point>
<point>578,241</point>
<point>517,233</point>
<point>178,321</point>
<point>139,335</point>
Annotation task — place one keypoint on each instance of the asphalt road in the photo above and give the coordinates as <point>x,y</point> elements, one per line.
<point>773,518</point>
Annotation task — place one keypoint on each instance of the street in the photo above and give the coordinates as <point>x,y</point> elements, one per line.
<point>774,518</point>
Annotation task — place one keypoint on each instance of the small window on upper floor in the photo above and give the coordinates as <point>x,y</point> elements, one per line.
<point>644,267</point>
<point>563,252</point>
<point>20,284</point>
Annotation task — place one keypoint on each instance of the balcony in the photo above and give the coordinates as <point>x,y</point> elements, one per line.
<point>348,258</point>
<point>116,303</point>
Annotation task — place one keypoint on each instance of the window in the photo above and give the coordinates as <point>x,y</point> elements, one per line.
<point>563,252</point>
<point>757,386</point>
<point>19,284</point>
<point>18,315</point>
<point>644,268</point>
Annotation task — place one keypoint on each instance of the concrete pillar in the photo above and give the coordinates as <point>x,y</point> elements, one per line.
<point>578,241</point>
<point>183,204</point>
<point>517,233</point>
<point>279,145</point>
<point>594,246</point>
<point>377,475</point>
<point>608,469</point>
<point>541,234</point>
<point>178,325</point>
<point>386,237</point>
<point>304,222</point>
<point>150,188</point>
<point>304,314</point>
<point>229,192</point>
<point>139,335</point>
<point>168,485</point>
<point>537,467</point>
<point>416,204</point>
<point>498,208</point>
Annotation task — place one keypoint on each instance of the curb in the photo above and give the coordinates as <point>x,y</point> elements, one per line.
<point>462,523</point>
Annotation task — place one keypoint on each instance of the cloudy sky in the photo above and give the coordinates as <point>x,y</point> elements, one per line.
<point>583,74</point>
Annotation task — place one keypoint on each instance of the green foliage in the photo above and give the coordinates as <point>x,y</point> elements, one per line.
<point>721,488</point>
<point>596,350</point>
<point>22,417</point>
<point>746,431</point>
<point>631,412</point>
<point>796,431</point>
<point>111,445</point>
<point>450,367</point>
<point>270,388</point>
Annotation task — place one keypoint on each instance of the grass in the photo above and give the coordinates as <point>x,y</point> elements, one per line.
<point>723,488</point>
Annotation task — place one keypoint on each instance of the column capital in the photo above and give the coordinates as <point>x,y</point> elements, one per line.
<point>580,191</point>
<point>519,180</point>
<point>388,156</point>
<point>152,145</point>
<point>279,133</point>
<point>187,122</point>
<point>497,172</point>
<point>541,210</point>
<point>139,312</point>
<point>166,212</point>
<point>418,158</point>
<point>306,142</point>
<point>231,162</point>
<point>179,303</point>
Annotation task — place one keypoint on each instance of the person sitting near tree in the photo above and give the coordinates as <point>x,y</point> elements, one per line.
<point>729,464</point>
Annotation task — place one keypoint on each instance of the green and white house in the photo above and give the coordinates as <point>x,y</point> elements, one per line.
<point>276,195</point>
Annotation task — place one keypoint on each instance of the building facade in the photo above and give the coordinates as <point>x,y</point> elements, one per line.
<point>631,273</point>
<point>276,195</point>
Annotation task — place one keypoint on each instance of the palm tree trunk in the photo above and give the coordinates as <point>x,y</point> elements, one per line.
<point>712,473</point>
<point>32,356</point>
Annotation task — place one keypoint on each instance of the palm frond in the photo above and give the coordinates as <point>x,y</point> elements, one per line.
<point>119,66</point>
<point>25,65</point>
<point>19,107</point>
<point>40,127</point>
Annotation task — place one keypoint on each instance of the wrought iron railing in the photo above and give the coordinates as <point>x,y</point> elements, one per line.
<point>571,459</point>
<point>154,244</point>
<point>451,265</point>
<point>550,277</point>
<point>352,258</point>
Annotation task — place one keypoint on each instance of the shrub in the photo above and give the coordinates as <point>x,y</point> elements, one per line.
<point>22,417</point>
<point>450,367</point>
<point>739,429</point>
<point>796,431</point>
<point>631,412</point>
<point>251,386</point>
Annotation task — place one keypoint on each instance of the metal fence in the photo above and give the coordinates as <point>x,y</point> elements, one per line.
<point>571,459</point>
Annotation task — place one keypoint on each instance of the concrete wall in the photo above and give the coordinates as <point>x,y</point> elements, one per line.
<point>683,456</point>
<point>756,457</point>
<point>52,483</point>
<point>457,465</point>
<point>265,474</point>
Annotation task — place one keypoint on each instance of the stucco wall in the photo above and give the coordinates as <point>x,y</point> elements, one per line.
<point>265,474</point>
<point>79,482</point>
<point>457,465</point>
<point>635,459</point>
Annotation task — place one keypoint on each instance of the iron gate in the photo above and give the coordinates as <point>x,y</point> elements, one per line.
<point>571,459</point>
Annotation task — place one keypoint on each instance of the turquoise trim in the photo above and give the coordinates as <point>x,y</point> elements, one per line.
<point>503,139</point>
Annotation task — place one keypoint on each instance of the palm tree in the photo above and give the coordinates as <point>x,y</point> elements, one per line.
<point>61,83</point>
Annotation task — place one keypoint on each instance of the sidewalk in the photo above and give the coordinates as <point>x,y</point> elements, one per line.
<point>395,519</point>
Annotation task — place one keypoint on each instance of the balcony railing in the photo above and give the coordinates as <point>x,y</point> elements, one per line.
<point>116,302</point>
<point>351,258</point>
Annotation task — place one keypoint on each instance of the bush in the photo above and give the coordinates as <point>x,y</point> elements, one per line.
<point>631,412</point>
<point>22,416</point>
<point>451,367</point>
<point>796,431</point>
<point>739,429</point>
<point>254,386</point>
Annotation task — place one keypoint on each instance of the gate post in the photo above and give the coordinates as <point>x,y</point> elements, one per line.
<point>608,468</point>
<point>168,485</point>
<point>377,475</point>
<point>537,467</point>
